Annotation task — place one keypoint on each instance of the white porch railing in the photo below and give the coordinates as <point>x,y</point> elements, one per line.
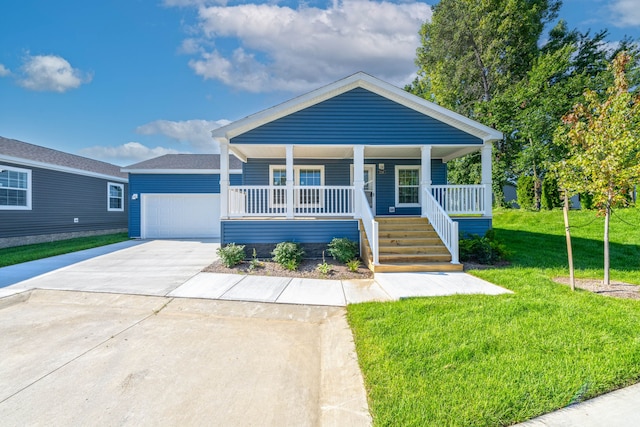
<point>370,226</point>
<point>260,200</point>
<point>446,228</point>
<point>460,199</point>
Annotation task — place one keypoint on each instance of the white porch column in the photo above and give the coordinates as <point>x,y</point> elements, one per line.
<point>224,179</point>
<point>425,175</point>
<point>290,181</point>
<point>486,156</point>
<point>358,178</point>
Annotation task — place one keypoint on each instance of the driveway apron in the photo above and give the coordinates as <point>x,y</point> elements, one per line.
<point>154,267</point>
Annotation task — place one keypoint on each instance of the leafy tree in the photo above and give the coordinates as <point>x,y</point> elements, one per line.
<point>604,147</point>
<point>473,49</point>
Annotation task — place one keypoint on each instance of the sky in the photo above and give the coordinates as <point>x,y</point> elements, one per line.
<point>126,80</point>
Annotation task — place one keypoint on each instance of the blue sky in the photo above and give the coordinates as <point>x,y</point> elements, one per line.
<point>126,80</point>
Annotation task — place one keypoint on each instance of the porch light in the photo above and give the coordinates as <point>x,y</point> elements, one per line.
<point>381,166</point>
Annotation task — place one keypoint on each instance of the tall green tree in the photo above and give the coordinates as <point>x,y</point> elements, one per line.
<point>472,49</point>
<point>604,147</point>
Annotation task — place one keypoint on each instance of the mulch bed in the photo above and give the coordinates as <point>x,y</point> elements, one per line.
<point>307,269</point>
<point>615,289</point>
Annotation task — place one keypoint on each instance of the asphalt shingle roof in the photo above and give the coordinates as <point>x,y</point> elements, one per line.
<point>36,153</point>
<point>185,161</point>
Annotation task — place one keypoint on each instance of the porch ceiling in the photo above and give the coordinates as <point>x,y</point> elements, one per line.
<point>444,152</point>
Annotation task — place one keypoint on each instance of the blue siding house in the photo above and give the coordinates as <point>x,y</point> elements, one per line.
<point>362,159</point>
<point>177,196</point>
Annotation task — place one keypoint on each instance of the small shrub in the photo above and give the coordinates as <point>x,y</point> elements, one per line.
<point>291,265</point>
<point>525,191</point>
<point>343,249</point>
<point>483,250</point>
<point>255,262</point>
<point>550,193</point>
<point>324,268</point>
<point>586,201</point>
<point>231,254</point>
<point>288,254</point>
<point>353,265</point>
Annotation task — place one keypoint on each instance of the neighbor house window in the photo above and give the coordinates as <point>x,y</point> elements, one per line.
<point>407,186</point>
<point>304,176</point>
<point>115,197</point>
<point>15,188</point>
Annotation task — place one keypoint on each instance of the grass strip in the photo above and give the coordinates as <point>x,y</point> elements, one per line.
<point>20,254</point>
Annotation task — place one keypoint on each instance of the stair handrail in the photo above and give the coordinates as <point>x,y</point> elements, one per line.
<point>444,226</point>
<point>370,225</point>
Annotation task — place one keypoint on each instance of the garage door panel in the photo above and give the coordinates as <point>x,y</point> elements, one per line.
<point>181,215</point>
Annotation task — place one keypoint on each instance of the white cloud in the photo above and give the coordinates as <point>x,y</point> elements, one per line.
<point>51,73</point>
<point>626,13</point>
<point>125,154</point>
<point>196,134</point>
<point>280,48</point>
<point>4,71</point>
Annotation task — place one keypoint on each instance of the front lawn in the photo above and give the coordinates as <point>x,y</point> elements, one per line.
<point>498,360</point>
<point>19,254</point>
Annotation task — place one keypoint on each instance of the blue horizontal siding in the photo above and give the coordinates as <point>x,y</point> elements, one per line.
<point>338,172</point>
<point>473,225</point>
<point>356,117</point>
<point>248,232</point>
<point>170,184</point>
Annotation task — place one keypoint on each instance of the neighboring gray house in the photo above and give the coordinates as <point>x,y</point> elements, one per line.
<point>48,195</point>
<point>177,195</point>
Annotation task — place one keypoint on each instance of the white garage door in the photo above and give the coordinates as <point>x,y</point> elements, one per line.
<point>180,216</point>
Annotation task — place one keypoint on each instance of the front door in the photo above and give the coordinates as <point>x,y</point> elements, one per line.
<point>369,185</point>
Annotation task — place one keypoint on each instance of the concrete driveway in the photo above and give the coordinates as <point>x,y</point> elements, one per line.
<point>87,358</point>
<point>100,342</point>
<point>154,267</point>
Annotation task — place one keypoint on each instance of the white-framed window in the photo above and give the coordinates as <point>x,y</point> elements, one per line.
<point>15,188</point>
<point>304,176</point>
<point>407,186</point>
<point>115,197</point>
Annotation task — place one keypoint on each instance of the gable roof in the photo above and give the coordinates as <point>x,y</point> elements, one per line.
<point>370,83</point>
<point>183,163</point>
<point>15,151</point>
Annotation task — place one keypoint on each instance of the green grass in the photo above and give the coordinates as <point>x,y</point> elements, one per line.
<point>498,360</point>
<point>19,254</point>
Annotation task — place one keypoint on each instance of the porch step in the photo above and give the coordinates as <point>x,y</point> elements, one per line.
<point>414,258</point>
<point>415,268</point>
<point>407,244</point>
<point>383,233</point>
<point>412,249</point>
<point>410,241</point>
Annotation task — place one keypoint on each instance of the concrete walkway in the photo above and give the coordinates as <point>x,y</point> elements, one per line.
<point>620,408</point>
<point>174,268</point>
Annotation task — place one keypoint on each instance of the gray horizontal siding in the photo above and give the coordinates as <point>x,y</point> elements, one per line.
<point>58,198</point>
<point>356,117</point>
<point>473,225</point>
<point>170,184</point>
<point>249,232</point>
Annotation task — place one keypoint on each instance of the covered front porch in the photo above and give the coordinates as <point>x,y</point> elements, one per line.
<point>294,183</point>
